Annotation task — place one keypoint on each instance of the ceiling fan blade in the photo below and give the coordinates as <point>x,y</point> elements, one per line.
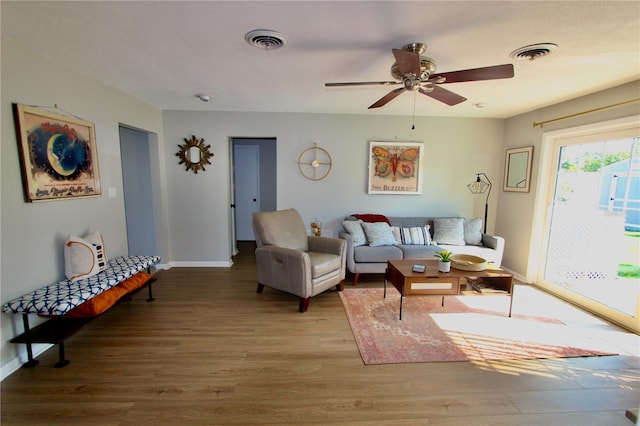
<point>363,83</point>
<point>444,95</point>
<point>476,74</point>
<point>408,62</point>
<point>388,97</point>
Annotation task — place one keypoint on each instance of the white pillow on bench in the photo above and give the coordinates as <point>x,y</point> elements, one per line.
<point>84,257</point>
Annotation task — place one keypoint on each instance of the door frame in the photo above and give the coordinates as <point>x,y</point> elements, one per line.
<point>267,147</point>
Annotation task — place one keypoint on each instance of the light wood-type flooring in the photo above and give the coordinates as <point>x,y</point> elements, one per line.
<point>210,351</point>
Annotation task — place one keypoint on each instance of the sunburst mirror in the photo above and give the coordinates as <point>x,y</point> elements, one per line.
<point>194,154</point>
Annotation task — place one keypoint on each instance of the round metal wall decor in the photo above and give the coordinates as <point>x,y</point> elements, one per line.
<point>315,163</point>
<point>194,154</point>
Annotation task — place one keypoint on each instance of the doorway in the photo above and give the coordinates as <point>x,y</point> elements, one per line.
<point>253,183</point>
<point>138,191</point>
<point>591,253</point>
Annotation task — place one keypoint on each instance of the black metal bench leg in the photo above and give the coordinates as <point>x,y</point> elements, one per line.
<point>62,362</point>
<point>30,361</point>
<point>150,298</point>
<point>151,280</point>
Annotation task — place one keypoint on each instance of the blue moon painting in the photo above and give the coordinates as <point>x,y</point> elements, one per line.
<point>59,151</point>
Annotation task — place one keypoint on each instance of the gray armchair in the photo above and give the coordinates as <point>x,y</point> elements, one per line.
<point>291,261</point>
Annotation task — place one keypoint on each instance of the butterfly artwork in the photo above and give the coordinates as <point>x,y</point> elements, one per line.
<point>395,161</point>
<point>394,168</point>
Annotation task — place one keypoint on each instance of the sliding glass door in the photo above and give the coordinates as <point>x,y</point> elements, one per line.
<point>591,254</point>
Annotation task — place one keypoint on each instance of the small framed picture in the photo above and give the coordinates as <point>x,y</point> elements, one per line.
<point>58,156</point>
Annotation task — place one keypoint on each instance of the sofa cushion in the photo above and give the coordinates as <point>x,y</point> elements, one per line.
<point>367,254</point>
<point>415,235</point>
<point>354,228</point>
<point>449,230</point>
<point>473,231</point>
<point>418,252</point>
<point>397,234</point>
<point>378,234</point>
<point>490,255</point>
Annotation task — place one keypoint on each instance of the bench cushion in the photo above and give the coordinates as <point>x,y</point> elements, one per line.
<point>59,298</point>
<point>102,302</point>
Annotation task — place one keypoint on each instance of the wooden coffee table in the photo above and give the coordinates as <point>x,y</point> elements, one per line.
<point>431,282</point>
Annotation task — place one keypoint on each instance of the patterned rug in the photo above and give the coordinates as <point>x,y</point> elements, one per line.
<point>467,328</point>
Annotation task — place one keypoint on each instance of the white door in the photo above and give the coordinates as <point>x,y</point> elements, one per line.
<point>247,188</point>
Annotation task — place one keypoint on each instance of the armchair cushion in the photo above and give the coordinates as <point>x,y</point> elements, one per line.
<point>283,228</point>
<point>323,263</point>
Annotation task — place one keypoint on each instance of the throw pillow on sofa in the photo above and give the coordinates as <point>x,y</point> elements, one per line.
<point>354,228</point>
<point>449,230</point>
<point>415,235</point>
<point>473,231</point>
<point>379,234</point>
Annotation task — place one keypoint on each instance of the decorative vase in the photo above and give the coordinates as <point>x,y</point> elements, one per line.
<point>444,266</point>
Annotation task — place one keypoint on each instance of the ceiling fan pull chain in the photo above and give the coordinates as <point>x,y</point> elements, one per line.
<point>413,125</point>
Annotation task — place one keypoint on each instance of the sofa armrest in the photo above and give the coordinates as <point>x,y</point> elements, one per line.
<point>351,260</point>
<point>496,243</point>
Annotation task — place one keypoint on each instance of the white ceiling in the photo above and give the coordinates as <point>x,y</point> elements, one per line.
<point>166,52</point>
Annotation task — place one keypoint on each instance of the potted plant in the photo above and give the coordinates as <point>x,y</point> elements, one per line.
<point>444,263</point>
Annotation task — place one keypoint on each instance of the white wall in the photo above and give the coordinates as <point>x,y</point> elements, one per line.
<point>455,149</point>
<point>515,216</point>
<point>32,234</point>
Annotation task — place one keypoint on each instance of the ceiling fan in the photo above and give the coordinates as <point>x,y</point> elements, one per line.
<point>417,73</point>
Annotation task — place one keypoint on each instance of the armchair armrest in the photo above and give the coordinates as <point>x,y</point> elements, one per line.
<point>278,265</point>
<point>327,245</point>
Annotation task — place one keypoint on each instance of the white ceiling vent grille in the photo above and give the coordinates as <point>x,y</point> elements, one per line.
<point>265,39</point>
<point>533,51</point>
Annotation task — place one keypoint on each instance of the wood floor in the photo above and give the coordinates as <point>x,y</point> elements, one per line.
<point>210,351</point>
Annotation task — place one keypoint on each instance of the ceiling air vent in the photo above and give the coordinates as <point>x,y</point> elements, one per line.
<point>265,39</point>
<point>533,51</point>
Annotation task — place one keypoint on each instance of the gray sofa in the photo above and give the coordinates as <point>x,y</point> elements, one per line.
<point>364,258</point>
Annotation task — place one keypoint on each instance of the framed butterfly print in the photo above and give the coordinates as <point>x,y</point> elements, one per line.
<point>395,167</point>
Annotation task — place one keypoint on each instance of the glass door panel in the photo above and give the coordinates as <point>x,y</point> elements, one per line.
<point>592,254</point>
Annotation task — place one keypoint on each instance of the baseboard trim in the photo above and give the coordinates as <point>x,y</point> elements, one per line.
<point>200,264</point>
<point>15,364</point>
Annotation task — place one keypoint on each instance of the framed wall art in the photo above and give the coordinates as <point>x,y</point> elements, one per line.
<point>58,155</point>
<point>517,169</point>
<point>395,167</point>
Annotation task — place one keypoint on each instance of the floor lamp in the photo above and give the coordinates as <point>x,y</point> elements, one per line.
<point>480,186</point>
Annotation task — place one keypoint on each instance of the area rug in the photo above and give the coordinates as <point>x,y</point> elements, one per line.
<point>466,328</point>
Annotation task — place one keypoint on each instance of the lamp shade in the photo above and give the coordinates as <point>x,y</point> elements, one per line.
<point>478,186</point>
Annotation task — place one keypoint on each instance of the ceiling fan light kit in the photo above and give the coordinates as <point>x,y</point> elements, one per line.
<point>418,73</point>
